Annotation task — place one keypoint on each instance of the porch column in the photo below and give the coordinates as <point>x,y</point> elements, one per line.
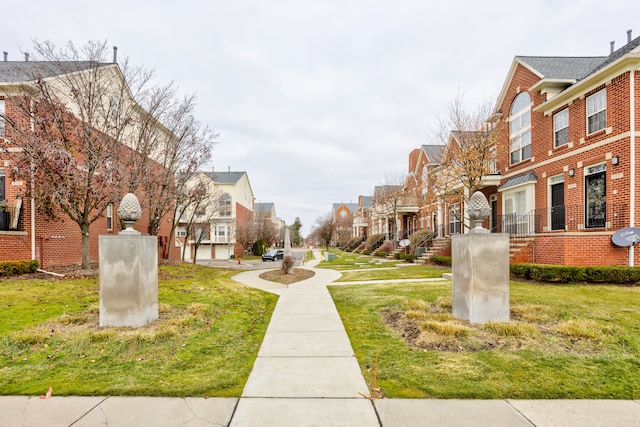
<point>440,224</point>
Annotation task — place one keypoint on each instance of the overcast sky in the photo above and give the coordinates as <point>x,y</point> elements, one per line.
<point>320,101</point>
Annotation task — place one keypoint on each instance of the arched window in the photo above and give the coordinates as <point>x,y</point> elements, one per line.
<point>520,128</point>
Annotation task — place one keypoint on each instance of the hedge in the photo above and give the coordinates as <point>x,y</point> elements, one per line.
<point>15,268</point>
<point>567,274</point>
<point>406,257</point>
<point>442,260</point>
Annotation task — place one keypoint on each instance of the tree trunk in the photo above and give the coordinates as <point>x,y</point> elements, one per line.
<point>86,256</point>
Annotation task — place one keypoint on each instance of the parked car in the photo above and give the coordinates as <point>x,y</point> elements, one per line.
<point>273,255</point>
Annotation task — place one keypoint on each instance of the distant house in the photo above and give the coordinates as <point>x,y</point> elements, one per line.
<point>362,218</point>
<point>265,214</point>
<point>343,214</point>
<point>233,207</point>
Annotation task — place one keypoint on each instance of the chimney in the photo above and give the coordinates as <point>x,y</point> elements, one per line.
<point>26,57</point>
<point>612,47</point>
<point>6,55</point>
<point>628,36</point>
<point>229,169</point>
<point>115,54</point>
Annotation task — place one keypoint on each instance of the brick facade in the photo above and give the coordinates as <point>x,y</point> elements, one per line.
<point>577,241</point>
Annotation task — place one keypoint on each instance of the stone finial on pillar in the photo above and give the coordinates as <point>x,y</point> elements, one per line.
<point>478,210</point>
<point>129,212</point>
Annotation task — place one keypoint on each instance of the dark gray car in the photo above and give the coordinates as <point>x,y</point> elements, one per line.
<point>273,255</point>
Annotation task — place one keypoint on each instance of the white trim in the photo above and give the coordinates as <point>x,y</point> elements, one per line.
<point>568,154</point>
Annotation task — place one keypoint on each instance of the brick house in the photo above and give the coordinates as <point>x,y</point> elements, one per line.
<point>569,179</point>
<point>265,213</point>
<point>343,214</point>
<point>361,219</point>
<point>28,235</point>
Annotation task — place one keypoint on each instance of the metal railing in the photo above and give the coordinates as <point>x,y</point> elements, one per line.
<point>602,217</point>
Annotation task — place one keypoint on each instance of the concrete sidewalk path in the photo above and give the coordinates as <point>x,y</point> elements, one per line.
<point>305,373</point>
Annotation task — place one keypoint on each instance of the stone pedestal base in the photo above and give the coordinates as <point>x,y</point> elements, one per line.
<point>480,266</point>
<point>128,280</point>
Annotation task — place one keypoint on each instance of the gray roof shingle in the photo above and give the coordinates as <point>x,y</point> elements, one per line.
<point>225,177</point>
<point>23,71</point>
<point>565,68</point>
<point>434,152</point>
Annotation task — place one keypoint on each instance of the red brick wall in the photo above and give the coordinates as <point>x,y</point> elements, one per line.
<point>57,242</point>
<point>583,249</point>
<point>589,247</point>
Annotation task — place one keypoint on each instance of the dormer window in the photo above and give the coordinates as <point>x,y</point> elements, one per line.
<point>520,128</point>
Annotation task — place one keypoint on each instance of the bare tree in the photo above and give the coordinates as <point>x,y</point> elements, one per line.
<point>265,229</point>
<point>170,146</point>
<point>343,230</point>
<point>472,149</point>
<point>325,228</point>
<point>70,142</point>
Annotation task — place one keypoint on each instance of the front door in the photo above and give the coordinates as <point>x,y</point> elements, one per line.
<point>557,206</point>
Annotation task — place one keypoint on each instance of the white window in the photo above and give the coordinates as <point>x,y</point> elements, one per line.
<point>454,218</point>
<point>109,217</point>
<point>597,111</point>
<point>343,214</point>
<point>225,204</point>
<point>518,207</point>
<point>2,109</point>
<point>520,129</point>
<point>561,128</point>
<point>181,232</point>
<point>201,234</point>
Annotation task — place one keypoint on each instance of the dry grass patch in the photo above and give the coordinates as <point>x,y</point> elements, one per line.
<point>431,326</point>
<point>295,275</point>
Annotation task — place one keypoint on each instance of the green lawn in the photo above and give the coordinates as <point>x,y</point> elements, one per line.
<point>564,342</point>
<point>349,261</point>
<point>204,344</point>
<point>410,272</point>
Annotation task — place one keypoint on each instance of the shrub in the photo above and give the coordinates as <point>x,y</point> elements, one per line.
<point>287,264</point>
<point>381,254</point>
<point>406,257</point>
<point>259,247</point>
<point>441,260</point>
<point>374,241</point>
<point>352,244</point>
<point>366,252</point>
<point>15,268</point>
<point>567,274</point>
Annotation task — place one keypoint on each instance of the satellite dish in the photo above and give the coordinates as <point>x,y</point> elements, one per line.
<point>404,243</point>
<point>626,236</point>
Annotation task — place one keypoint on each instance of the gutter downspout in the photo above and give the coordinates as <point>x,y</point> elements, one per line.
<point>33,203</point>
<point>632,158</point>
